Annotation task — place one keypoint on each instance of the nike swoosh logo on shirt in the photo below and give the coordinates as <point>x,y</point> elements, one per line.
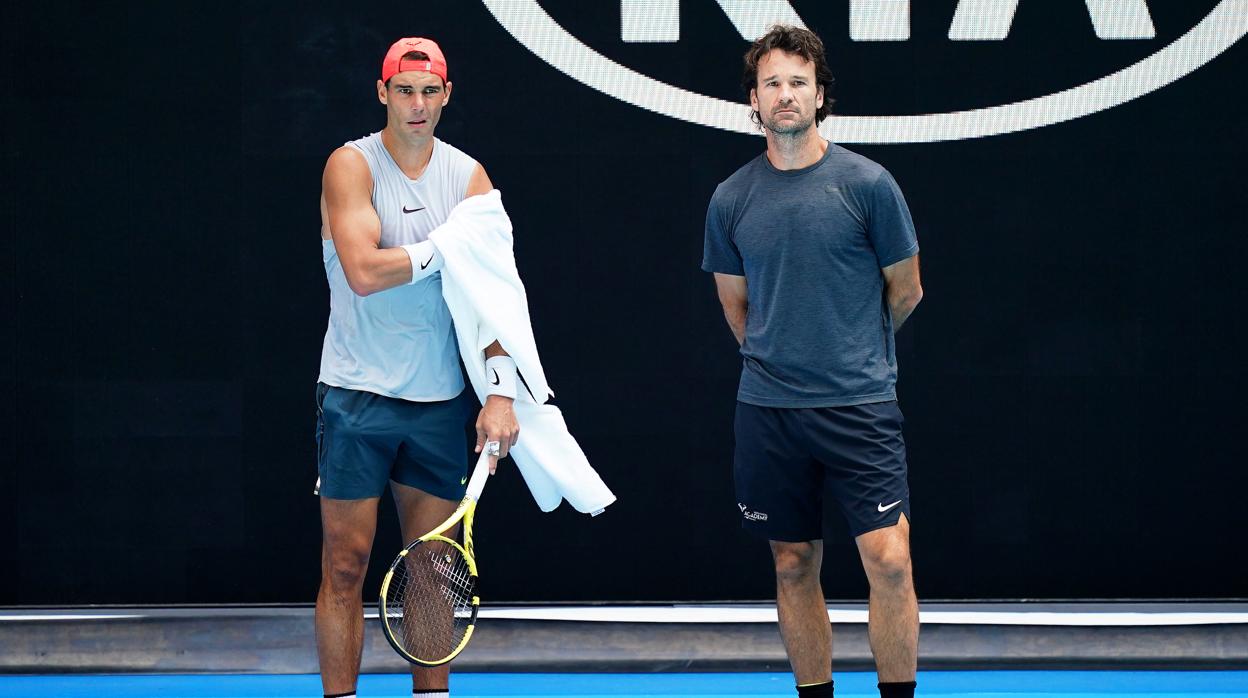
<point>412,210</point>
<point>883,508</point>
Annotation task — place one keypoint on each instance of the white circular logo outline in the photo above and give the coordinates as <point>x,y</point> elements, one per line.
<point>534,28</point>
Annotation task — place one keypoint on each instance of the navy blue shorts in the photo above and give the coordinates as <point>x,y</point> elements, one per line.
<point>364,439</point>
<point>788,460</point>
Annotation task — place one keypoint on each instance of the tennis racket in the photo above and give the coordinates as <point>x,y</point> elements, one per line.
<point>428,605</point>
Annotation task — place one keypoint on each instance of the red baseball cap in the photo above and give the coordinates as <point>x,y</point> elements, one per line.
<point>395,63</point>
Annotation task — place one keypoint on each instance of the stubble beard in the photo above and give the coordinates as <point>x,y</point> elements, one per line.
<point>792,129</point>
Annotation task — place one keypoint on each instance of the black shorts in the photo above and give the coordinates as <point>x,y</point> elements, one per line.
<point>789,459</point>
<point>364,440</point>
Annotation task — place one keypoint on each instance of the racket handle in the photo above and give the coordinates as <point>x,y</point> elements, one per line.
<point>482,471</point>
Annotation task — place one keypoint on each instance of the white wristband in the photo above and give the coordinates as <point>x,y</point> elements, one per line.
<point>500,376</point>
<point>426,260</point>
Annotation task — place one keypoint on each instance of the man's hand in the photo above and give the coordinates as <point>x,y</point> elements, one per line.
<point>497,422</point>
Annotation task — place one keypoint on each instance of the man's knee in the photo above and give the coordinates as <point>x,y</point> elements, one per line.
<point>795,561</point>
<point>343,569</point>
<point>347,528</point>
<point>887,563</point>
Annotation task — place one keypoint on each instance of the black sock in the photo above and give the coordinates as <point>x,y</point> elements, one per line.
<point>815,690</point>
<point>897,689</point>
<point>350,694</point>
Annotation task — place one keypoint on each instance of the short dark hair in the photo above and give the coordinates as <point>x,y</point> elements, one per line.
<point>796,41</point>
<point>411,56</point>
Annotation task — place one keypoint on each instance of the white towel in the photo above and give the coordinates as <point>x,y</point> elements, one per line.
<point>487,302</point>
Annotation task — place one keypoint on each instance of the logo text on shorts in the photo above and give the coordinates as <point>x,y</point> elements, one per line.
<point>751,515</point>
<point>658,21</point>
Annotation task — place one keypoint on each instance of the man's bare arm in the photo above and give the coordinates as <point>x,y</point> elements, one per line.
<point>902,288</point>
<point>497,420</point>
<point>355,228</point>
<point>732,295</point>
<point>479,183</point>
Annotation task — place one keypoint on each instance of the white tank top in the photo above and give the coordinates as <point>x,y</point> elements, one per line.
<point>399,342</point>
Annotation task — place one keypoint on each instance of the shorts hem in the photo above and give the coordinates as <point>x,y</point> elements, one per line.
<point>781,536</point>
<point>882,524</point>
<point>440,495</point>
<point>347,498</point>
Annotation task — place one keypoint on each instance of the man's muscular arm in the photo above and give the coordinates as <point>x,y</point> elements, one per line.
<point>479,183</point>
<point>732,295</point>
<point>355,228</point>
<point>902,288</point>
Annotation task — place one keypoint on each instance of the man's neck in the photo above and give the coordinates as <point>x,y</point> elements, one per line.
<point>411,156</point>
<point>793,151</point>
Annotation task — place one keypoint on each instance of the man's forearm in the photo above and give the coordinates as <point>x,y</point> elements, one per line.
<point>503,384</point>
<point>736,322</point>
<point>902,289</point>
<point>376,270</point>
<point>497,421</point>
<point>381,269</point>
<point>495,349</point>
<point>902,307</point>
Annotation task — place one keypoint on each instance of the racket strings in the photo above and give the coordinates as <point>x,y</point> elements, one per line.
<point>429,601</point>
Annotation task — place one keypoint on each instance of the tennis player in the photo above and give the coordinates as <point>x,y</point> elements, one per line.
<point>390,400</point>
<point>816,264</point>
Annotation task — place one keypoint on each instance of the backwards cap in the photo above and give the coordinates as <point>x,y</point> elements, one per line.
<point>395,63</point>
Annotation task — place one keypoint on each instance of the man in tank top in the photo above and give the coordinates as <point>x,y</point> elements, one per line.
<point>391,407</point>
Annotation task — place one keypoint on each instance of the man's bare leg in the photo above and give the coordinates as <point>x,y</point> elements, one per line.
<point>804,625</point>
<point>347,528</point>
<point>893,622</point>
<point>419,512</point>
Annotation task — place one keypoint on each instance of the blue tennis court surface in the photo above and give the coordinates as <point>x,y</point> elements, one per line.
<point>1027,684</point>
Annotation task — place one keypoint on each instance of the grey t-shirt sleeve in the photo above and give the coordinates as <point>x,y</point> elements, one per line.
<point>889,226</point>
<point>719,254</point>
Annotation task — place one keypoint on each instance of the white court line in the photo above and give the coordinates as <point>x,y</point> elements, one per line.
<point>64,616</point>
<point>765,614</point>
<point>768,615</point>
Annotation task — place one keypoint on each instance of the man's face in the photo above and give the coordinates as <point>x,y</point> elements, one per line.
<point>786,95</point>
<point>414,102</point>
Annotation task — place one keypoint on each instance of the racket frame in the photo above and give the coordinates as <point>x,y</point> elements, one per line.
<point>465,511</point>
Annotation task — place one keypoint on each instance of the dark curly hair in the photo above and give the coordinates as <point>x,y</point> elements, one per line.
<point>796,41</point>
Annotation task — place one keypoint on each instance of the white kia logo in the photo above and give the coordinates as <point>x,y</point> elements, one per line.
<point>658,21</point>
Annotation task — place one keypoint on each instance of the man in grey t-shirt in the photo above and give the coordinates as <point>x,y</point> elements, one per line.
<point>816,264</point>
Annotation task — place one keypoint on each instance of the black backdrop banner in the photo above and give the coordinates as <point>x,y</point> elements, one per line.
<point>1072,381</point>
